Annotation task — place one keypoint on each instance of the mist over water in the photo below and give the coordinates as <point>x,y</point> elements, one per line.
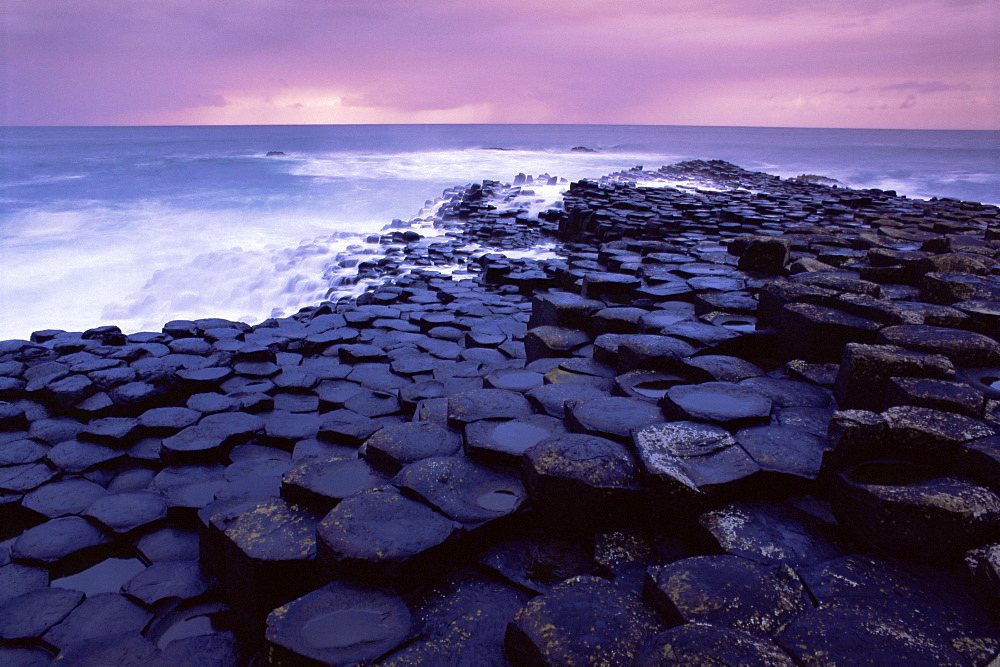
<point>137,226</point>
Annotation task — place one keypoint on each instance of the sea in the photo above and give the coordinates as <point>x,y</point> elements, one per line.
<point>136,226</point>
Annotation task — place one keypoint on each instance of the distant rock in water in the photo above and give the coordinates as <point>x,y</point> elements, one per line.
<point>814,178</point>
<point>273,153</point>
<point>581,149</point>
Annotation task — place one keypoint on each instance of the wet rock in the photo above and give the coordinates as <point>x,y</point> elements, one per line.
<point>727,591</point>
<point>169,579</point>
<point>471,406</point>
<point>963,348</point>
<point>211,437</point>
<point>865,371</point>
<point>32,614</point>
<point>765,254</point>
<point>566,473</point>
<point>785,451</point>
<point>819,333</point>
<point>721,368</point>
<point>584,620</point>
<point>62,498</point>
<point>771,534</point>
<point>724,403</point>
<point>927,435</point>
<point>609,287</point>
<point>908,511</point>
<point>462,490</point>
<point>346,427</point>
<point>612,417</point>
<point>122,648</point>
<point>704,644</point>
<point>549,341</point>
<point>686,463</point>
<point>863,634</point>
<point>338,624</point>
<point>321,484</point>
<point>381,532</point>
<point>504,442</point>
<point>56,539</point>
<point>17,580</point>
<point>651,352</point>
<point>125,512</point>
<point>514,380</point>
<point>98,616</point>
<point>462,621</point>
<point>21,478</point>
<point>393,447</point>
<point>935,394</point>
<point>169,544</point>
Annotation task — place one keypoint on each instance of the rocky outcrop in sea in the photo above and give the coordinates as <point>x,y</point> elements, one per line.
<point>751,424</point>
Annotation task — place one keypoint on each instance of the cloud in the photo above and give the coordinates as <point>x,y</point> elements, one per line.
<point>924,88</point>
<point>120,61</point>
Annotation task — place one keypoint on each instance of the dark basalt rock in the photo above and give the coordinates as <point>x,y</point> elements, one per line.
<point>462,490</point>
<point>256,432</point>
<point>321,484</point>
<point>584,620</point>
<point>704,644</point>
<point>909,512</point>
<point>393,447</point>
<point>98,616</point>
<point>771,534</point>
<point>686,463</point>
<point>338,624</point>
<point>573,473</point>
<point>724,403</point>
<point>612,417</point>
<point>728,591</point>
<point>504,442</point>
<point>381,532</point>
<point>865,635</point>
<point>30,615</point>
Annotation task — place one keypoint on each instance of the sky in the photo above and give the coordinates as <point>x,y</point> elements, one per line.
<point>915,64</point>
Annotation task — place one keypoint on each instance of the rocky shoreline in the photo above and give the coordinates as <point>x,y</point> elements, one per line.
<point>749,426</point>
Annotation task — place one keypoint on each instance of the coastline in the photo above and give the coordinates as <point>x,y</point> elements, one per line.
<point>501,455</point>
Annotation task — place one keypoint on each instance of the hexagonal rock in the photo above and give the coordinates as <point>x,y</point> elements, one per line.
<point>504,442</point>
<point>25,657</point>
<point>566,473</point>
<point>98,616</point>
<point>32,614</point>
<point>170,579</point>
<point>979,460</point>
<point>819,333</point>
<point>211,437</point>
<point>651,352</point>
<point>269,554</point>
<point>866,636</point>
<point>964,348</point>
<point>17,580</point>
<point>724,403</point>
<point>548,341</point>
<point>67,496</point>
<point>73,456</point>
<point>25,477</point>
<point>771,533</point>
<point>983,564</point>
<point>767,255</point>
<point>721,368</point>
<point>218,650</point>
<point>612,417</point>
<point>321,484</point>
<point>788,393</point>
<point>346,427</point>
<point>464,491</point>
<point>471,406</point>
<point>163,422</point>
<point>392,447</point>
<point>793,454</point>
<point>688,461</point>
<point>55,539</point>
<point>941,395</point>
<point>562,309</point>
<point>704,644</point>
<point>461,621</point>
<point>380,532</point>
<point>929,436</point>
<point>122,648</point>
<point>338,624</point>
<point>907,510</point>
<point>128,511</point>
<point>20,452</point>
<point>865,370</point>
<point>583,621</point>
<point>728,591</point>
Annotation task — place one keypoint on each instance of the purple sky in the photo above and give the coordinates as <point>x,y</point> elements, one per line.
<point>812,63</point>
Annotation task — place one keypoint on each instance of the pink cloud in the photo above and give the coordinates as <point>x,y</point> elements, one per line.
<point>725,61</point>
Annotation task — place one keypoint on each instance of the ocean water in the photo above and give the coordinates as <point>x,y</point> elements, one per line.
<point>136,226</point>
